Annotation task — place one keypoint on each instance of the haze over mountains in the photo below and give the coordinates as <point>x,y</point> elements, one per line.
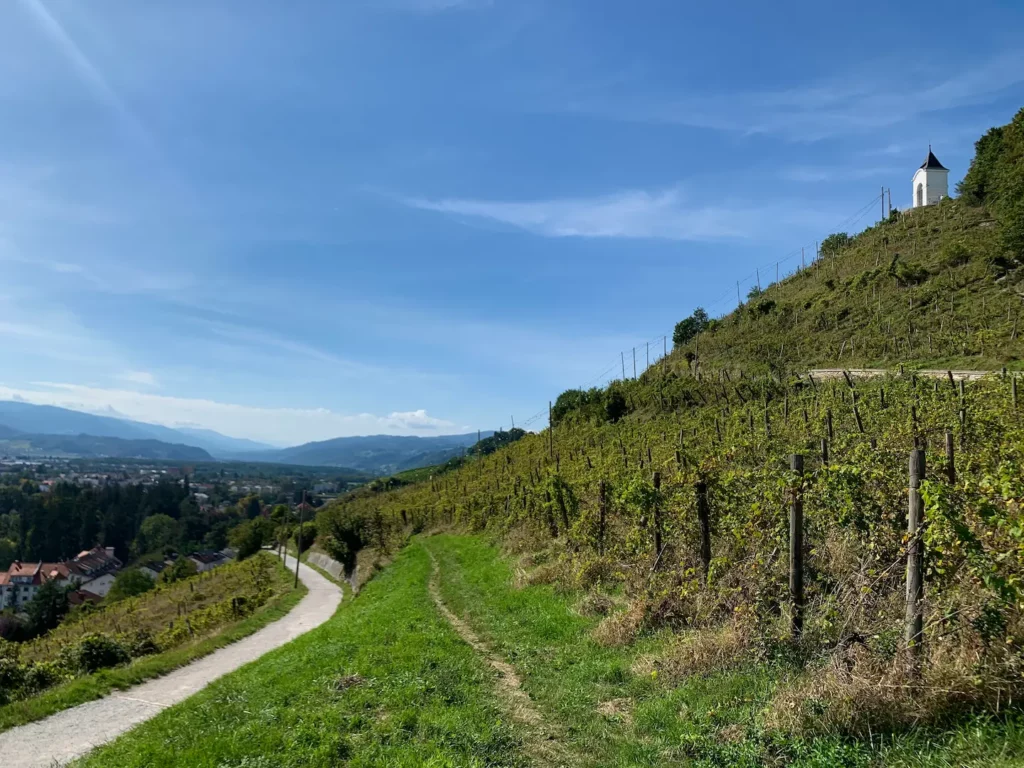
<point>28,429</point>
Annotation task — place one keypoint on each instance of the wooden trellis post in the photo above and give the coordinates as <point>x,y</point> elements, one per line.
<point>704,521</point>
<point>796,547</point>
<point>602,494</point>
<point>915,562</point>
<point>656,481</point>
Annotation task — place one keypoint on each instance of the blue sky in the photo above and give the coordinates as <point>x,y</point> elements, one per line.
<point>294,221</point>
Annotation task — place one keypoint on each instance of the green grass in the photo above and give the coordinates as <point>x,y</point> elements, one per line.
<point>95,686</point>
<point>387,682</point>
<point>421,698</point>
<point>568,675</point>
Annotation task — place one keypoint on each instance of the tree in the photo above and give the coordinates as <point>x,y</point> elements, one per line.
<point>344,535</point>
<point>47,607</point>
<point>250,507</point>
<point>834,243</point>
<point>980,179</point>
<point>129,583</point>
<point>182,568</point>
<point>305,535</point>
<point>158,533</point>
<point>246,539</point>
<point>690,327</point>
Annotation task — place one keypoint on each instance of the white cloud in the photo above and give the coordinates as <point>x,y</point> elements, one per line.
<point>665,214</point>
<point>140,377</point>
<point>418,421</point>
<point>274,425</point>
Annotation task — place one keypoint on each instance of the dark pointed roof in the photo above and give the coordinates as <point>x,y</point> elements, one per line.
<point>933,162</point>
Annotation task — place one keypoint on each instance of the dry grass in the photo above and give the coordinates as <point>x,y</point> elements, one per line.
<point>857,691</point>
<point>621,628</point>
<point>697,652</point>
<point>595,604</point>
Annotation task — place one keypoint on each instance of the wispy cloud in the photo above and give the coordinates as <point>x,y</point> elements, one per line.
<point>666,214</point>
<point>854,103</point>
<point>291,425</point>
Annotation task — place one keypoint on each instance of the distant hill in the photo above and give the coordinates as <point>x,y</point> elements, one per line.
<point>93,446</point>
<point>219,444</point>
<point>376,454</point>
<point>51,420</point>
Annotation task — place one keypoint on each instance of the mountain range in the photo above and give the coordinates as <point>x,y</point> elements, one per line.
<point>28,429</point>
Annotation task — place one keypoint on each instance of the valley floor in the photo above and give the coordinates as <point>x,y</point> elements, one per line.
<point>442,661</point>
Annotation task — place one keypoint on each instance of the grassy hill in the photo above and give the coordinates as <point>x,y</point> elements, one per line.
<point>718,420</point>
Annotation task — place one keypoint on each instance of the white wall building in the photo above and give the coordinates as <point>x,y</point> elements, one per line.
<point>931,182</point>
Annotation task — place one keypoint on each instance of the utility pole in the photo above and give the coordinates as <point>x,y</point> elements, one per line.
<point>634,363</point>
<point>883,203</point>
<point>298,539</point>
<point>739,301</point>
<point>890,201</point>
<point>622,357</point>
<point>758,273</point>
<point>803,264</point>
<point>648,355</point>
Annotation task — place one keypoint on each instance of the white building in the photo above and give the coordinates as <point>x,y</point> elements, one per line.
<point>931,182</point>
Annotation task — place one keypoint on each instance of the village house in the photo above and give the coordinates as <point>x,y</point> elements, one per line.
<point>92,573</point>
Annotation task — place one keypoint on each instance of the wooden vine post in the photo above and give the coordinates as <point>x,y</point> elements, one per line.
<point>704,521</point>
<point>950,464</point>
<point>796,547</point>
<point>915,563</point>
<point>602,495</point>
<point>656,481</point>
<point>551,433</point>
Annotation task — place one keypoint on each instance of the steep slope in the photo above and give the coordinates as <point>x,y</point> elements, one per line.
<point>675,489</point>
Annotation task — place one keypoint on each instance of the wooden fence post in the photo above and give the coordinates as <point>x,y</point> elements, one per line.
<point>796,547</point>
<point>915,562</point>
<point>950,465</point>
<point>1013,390</point>
<point>602,493</point>
<point>704,519</point>
<point>828,422</point>
<point>656,481</point>
<point>824,451</point>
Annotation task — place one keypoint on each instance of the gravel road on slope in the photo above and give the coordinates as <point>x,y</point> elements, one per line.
<point>66,735</point>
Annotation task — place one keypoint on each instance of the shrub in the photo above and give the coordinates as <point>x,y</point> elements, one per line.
<point>955,254</point>
<point>95,651</point>
<point>305,535</point>
<point>129,583</point>
<point>182,568</point>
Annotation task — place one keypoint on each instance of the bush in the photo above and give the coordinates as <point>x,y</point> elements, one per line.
<point>304,536</point>
<point>92,653</point>
<point>129,583</point>
<point>835,243</point>
<point>182,568</point>
<point>955,254</point>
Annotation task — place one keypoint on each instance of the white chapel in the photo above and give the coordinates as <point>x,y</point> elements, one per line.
<point>931,181</point>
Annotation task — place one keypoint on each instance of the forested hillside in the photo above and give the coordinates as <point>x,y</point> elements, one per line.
<point>669,500</point>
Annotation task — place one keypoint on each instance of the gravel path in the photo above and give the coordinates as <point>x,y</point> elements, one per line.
<point>66,735</point>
